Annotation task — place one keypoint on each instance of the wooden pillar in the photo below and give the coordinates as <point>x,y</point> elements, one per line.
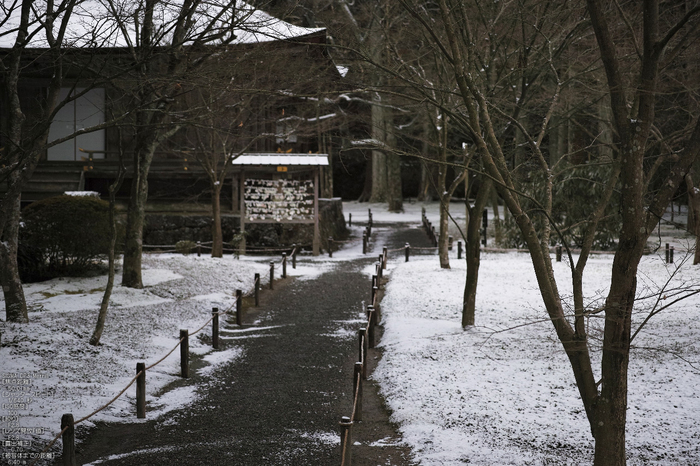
<point>317,230</point>
<point>241,197</point>
<point>235,191</point>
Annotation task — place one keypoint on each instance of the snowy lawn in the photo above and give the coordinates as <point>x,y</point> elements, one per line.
<point>67,375</point>
<point>503,393</point>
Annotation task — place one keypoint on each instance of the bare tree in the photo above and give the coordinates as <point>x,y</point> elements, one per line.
<point>634,95</point>
<point>38,35</point>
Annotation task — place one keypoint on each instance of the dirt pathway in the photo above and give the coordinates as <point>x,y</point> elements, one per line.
<point>280,403</point>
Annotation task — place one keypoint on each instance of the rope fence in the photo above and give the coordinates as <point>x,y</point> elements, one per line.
<point>67,432</point>
<point>366,340</point>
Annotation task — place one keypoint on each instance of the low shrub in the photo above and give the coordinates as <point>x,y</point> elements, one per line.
<point>64,235</point>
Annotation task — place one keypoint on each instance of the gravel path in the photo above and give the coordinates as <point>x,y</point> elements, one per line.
<point>280,403</point>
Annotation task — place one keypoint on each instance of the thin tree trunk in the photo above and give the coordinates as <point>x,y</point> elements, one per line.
<point>443,237</point>
<point>217,247</point>
<point>104,306</point>
<point>473,253</point>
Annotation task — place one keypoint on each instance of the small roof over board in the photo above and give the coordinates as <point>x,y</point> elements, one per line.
<point>282,159</point>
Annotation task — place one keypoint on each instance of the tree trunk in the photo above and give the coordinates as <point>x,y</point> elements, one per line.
<point>102,316</point>
<point>379,165</point>
<point>217,245</point>
<point>610,417</point>
<point>136,216</point>
<point>473,252</point>
<point>693,214</point>
<point>443,236</point>
<point>15,303</point>
<point>367,189</point>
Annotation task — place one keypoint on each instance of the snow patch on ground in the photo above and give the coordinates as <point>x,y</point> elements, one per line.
<point>503,392</point>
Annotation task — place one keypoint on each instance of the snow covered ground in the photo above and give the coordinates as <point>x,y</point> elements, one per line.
<point>50,369</point>
<point>499,393</point>
<point>503,393</point>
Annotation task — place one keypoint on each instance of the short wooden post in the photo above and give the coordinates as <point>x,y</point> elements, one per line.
<point>68,458</point>
<point>379,267</point>
<point>345,441</point>
<point>407,251</point>
<point>371,323</point>
<point>385,257</point>
<point>330,246</point>
<point>361,343</point>
<point>272,274</point>
<point>141,390</point>
<point>350,219</point>
<point>375,294</point>
<point>374,288</point>
<point>485,219</point>
<point>284,265</point>
<point>215,327</point>
<point>294,257</point>
<point>668,255</point>
<point>364,242</point>
<point>435,237</point>
<point>239,305</point>
<point>450,240</point>
<point>671,255</point>
<point>559,253</point>
<point>184,353</point>
<point>199,248</point>
<point>364,349</point>
<point>257,290</point>
<point>459,249</point>
<point>357,389</point>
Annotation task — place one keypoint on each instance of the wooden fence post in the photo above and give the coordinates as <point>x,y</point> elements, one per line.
<point>671,255</point>
<point>459,249</point>
<point>141,390</point>
<point>371,322</point>
<point>374,287</point>
<point>385,254</point>
<point>407,249</point>
<point>284,265</point>
<point>345,441</point>
<point>357,389</point>
<point>450,240</point>
<point>668,255</point>
<point>350,219</point>
<point>365,351</point>
<point>215,328</point>
<point>239,305</point>
<point>294,256</point>
<point>558,253</point>
<point>364,242</point>
<point>199,248</point>
<point>184,353</point>
<point>272,274</point>
<point>68,438</point>
<point>330,246</point>
<point>257,290</point>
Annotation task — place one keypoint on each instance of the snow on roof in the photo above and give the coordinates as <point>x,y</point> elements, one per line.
<point>111,24</point>
<point>282,159</point>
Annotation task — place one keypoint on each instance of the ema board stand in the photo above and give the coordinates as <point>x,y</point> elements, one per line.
<point>264,207</point>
